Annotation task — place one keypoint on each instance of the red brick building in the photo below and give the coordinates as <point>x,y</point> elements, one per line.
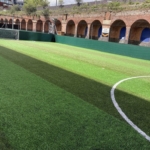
<point>130,27</point>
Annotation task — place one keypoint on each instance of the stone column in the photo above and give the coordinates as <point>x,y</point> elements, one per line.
<point>43,22</point>
<point>105,33</point>
<point>88,32</point>
<point>34,25</point>
<point>63,28</point>
<point>105,30</point>
<point>26,25</point>
<point>75,33</point>
<point>127,34</point>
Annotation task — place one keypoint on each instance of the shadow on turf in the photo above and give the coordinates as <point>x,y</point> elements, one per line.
<point>89,90</point>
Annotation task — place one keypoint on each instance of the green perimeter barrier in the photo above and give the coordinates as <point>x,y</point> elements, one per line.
<point>35,36</point>
<point>110,47</point>
<point>9,33</point>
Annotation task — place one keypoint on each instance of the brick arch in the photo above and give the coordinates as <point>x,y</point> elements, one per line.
<point>17,24</point>
<point>23,24</point>
<point>10,21</point>
<point>29,25</point>
<point>136,30</point>
<point>2,20</point>
<point>6,21</point>
<point>3,23</point>
<point>82,29</point>
<point>46,26</point>
<point>58,25</point>
<point>127,23</point>
<point>70,28</point>
<point>39,26</point>
<point>95,29</point>
<point>117,31</point>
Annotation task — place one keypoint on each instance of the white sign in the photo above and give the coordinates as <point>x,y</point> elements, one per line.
<point>106,22</point>
<point>105,30</point>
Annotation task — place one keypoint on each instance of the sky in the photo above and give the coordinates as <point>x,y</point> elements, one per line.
<point>67,2</point>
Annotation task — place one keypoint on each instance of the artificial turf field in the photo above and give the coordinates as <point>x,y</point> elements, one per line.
<point>57,97</point>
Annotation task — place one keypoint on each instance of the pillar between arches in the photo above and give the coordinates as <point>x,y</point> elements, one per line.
<point>63,28</point>
<point>26,25</point>
<point>43,26</point>
<point>105,33</point>
<point>105,30</point>
<point>88,32</point>
<point>34,25</point>
<point>127,34</point>
<point>75,33</point>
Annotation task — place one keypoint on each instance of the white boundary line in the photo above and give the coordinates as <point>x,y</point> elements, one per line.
<point>122,113</point>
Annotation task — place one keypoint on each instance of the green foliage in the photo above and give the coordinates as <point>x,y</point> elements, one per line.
<point>147,1</point>
<point>114,4</point>
<point>46,12</point>
<point>146,5</point>
<point>84,6</point>
<point>61,2</point>
<point>44,3</point>
<point>30,6</point>
<point>94,8</point>
<point>14,9</point>
<point>130,2</point>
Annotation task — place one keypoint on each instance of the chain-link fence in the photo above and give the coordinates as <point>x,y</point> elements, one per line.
<point>9,33</point>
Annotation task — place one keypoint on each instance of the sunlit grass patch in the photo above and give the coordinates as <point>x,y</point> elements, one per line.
<point>53,99</point>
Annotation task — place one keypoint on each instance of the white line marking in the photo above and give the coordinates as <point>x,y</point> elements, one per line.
<point>122,113</point>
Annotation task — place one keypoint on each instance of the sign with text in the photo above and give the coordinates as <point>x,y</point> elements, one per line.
<point>106,22</point>
<point>105,30</point>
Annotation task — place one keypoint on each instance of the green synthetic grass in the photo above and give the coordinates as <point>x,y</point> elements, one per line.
<point>54,96</point>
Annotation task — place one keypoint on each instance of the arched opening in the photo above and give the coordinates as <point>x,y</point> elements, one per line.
<point>95,30</point>
<point>82,29</point>
<point>17,24</point>
<point>139,32</point>
<point>145,36</point>
<point>6,21</point>
<point>30,25</point>
<point>1,23</point>
<point>46,26</point>
<point>70,28</point>
<point>2,20</point>
<point>6,24</point>
<point>23,25</point>
<point>122,33</point>
<point>10,21</point>
<point>39,26</point>
<point>58,26</point>
<point>117,31</point>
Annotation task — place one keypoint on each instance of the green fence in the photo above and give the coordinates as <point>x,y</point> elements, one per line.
<point>36,36</point>
<point>9,33</point>
<point>110,47</point>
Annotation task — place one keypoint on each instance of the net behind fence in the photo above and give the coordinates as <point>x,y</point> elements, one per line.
<point>9,33</point>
